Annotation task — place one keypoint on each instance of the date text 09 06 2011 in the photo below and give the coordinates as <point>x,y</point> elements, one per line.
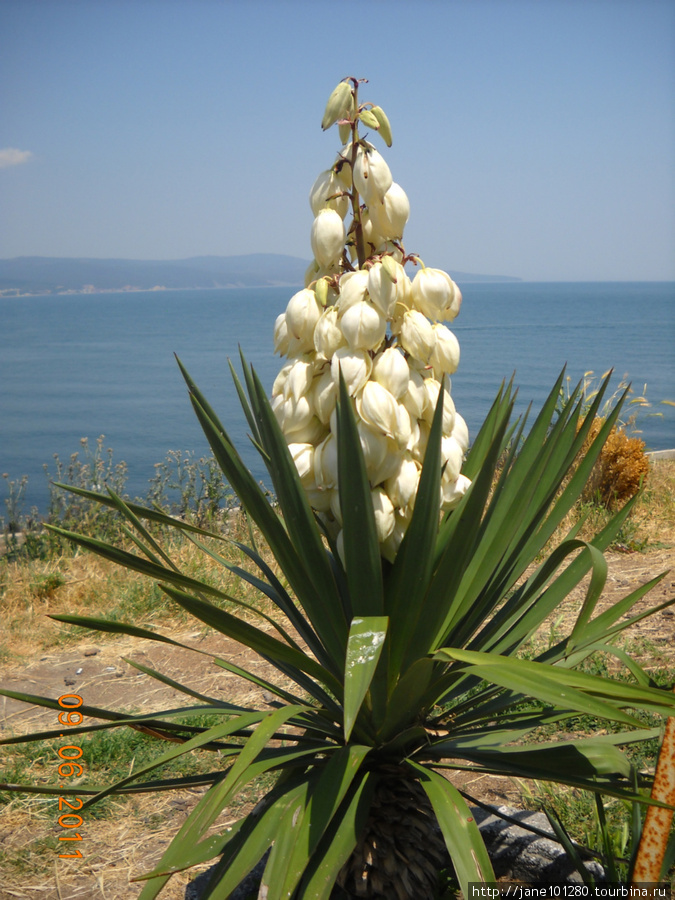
<point>68,768</point>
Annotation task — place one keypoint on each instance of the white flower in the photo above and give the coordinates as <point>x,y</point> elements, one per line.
<point>417,336</point>
<point>391,370</point>
<point>302,314</point>
<point>298,379</point>
<point>388,285</point>
<point>377,407</point>
<point>326,463</point>
<point>432,388</point>
<point>363,326</point>
<point>384,514</point>
<point>311,273</point>
<point>303,457</point>
<point>445,355</point>
<point>342,165</point>
<point>419,439</point>
<point>353,287</point>
<point>403,426</point>
<point>389,548</point>
<point>374,446</point>
<point>282,340</point>
<point>327,333</point>
<point>372,238</point>
<point>402,485</point>
<point>460,432</point>
<point>327,185</point>
<point>391,215</point>
<point>328,237</point>
<point>355,366</point>
<point>433,293</point>
<point>372,178</point>
<point>415,396</point>
<point>323,395</point>
<point>452,456</point>
<point>292,415</point>
<point>453,491</point>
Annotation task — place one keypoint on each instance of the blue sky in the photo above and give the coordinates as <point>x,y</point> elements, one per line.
<point>534,138</point>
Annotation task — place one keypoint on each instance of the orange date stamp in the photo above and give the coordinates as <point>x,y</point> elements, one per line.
<point>69,767</point>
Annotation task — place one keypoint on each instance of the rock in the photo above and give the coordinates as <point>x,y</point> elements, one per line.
<point>247,890</point>
<point>516,853</point>
<point>91,651</point>
<point>519,855</point>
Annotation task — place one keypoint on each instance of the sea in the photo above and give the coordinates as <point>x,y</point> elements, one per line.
<point>80,366</point>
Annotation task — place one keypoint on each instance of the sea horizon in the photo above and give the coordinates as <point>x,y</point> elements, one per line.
<point>74,369</point>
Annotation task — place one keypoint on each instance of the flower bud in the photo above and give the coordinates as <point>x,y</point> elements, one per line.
<point>372,178</point>
<point>339,105</point>
<point>355,366</point>
<point>326,186</point>
<point>328,237</point>
<point>391,215</point>
<point>445,355</point>
<point>417,335</point>
<point>383,124</point>
<point>363,326</point>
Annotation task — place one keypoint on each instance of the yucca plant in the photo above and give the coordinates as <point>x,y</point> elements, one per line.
<point>402,641</point>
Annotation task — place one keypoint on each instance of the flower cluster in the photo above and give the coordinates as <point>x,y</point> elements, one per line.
<point>361,315</point>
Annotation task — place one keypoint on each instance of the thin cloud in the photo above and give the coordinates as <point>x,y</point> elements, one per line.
<point>10,156</point>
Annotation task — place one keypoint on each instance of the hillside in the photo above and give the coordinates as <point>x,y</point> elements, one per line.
<point>30,275</point>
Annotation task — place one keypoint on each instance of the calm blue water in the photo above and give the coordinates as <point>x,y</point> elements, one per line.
<point>77,366</point>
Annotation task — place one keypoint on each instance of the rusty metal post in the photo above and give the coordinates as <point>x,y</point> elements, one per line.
<point>656,829</point>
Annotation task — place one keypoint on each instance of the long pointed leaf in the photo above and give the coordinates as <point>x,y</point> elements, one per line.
<point>364,647</point>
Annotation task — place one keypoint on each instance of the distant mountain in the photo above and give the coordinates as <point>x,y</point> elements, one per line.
<point>468,277</point>
<point>52,275</point>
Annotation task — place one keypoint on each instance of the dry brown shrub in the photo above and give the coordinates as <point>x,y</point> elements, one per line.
<point>620,470</point>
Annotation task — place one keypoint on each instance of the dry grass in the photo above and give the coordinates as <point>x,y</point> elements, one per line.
<point>136,830</point>
<point>83,584</point>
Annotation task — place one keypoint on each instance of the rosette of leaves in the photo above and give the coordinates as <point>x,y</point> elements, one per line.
<point>390,674</point>
<point>402,671</point>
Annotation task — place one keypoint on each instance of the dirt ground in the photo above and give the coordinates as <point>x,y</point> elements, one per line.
<point>117,850</point>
